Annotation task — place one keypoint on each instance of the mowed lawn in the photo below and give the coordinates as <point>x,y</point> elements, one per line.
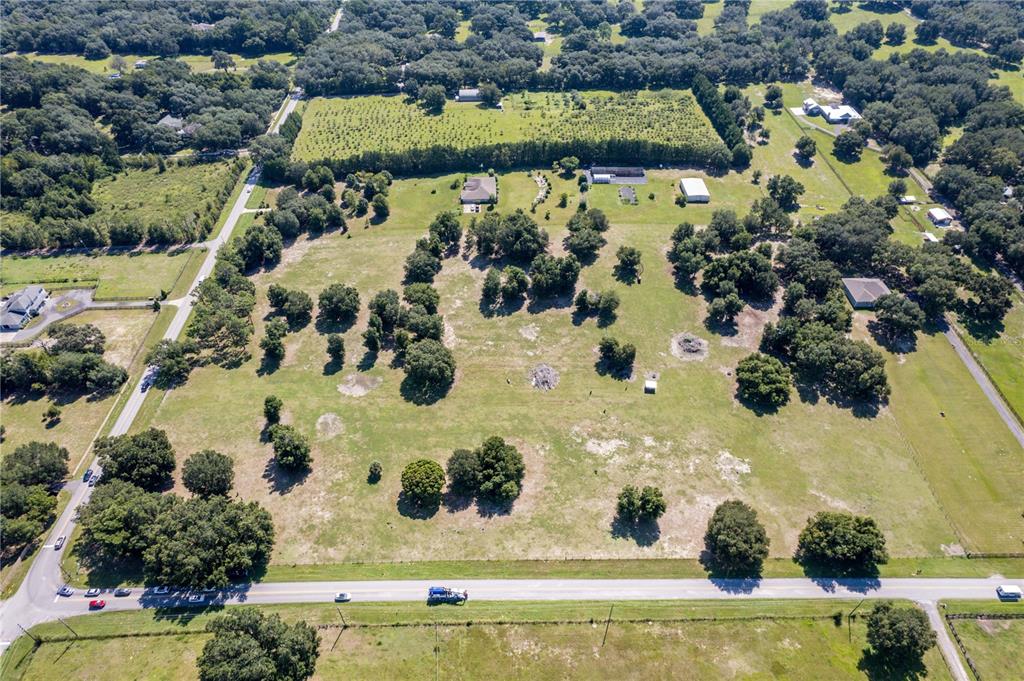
<point>1003,356</point>
<point>197,62</point>
<point>152,196</point>
<point>591,435</point>
<point>348,126</point>
<point>123,275</point>
<point>793,640</point>
<point>81,417</point>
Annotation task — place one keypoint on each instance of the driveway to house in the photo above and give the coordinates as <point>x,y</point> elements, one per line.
<point>67,304</point>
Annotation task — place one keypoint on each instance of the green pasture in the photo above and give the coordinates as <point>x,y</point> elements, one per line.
<point>598,640</point>
<point>197,62</point>
<point>344,127</point>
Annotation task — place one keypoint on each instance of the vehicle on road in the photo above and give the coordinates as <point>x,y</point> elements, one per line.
<point>122,592</point>
<point>88,474</point>
<point>59,544</point>
<point>92,592</point>
<point>209,589</point>
<point>161,590</point>
<point>342,597</point>
<point>196,598</point>
<point>148,378</point>
<point>442,594</point>
<point>65,591</point>
<point>93,480</point>
<point>1009,592</point>
<point>97,605</point>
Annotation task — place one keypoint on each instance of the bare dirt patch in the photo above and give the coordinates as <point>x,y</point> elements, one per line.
<point>357,385</point>
<point>993,626</point>
<point>529,332</point>
<point>749,325</point>
<point>543,377</point>
<point>604,447</point>
<point>953,550</point>
<point>450,339</point>
<point>688,347</point>
<point>731,467</point>
<point>329,425</point>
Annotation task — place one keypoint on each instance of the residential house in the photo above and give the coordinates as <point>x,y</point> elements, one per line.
<point>940,217</point>
<point>21,306</point>
<point>480,190</point>
<point>694,190</point>
<point>862,293</point>
<point>469,95</point>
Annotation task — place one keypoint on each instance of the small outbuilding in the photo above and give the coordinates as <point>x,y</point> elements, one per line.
<point>541,37</point>
<point>940,217</point>
<point>141,64</point>
<point>928,236</point>
<point>480,190</point>
<point>908,200</point>
<point>616,175</point>
<point>650,386</point>
<point>694,190</point>
<point>811,107</point>
<point>171,122</point>
<point>862,293</point>
<point>470,94</point>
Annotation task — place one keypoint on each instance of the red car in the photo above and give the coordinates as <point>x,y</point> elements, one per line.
<point>97,605</point>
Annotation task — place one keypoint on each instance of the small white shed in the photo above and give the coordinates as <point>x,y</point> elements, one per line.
<point>650,386</point>
<point>694,190</point>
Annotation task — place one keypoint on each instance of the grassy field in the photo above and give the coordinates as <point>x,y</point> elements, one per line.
<point>591,435</point>
<point>125,275</point>
<point>1003,356</point>
<point>82,418</point>
<point>793,640</point>
<point>993,644</point>
<point>151,196</point>
<point>344,127</point>
<point>197,62</point>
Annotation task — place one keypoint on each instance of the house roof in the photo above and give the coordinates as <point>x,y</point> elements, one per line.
<point>839,112</point>
<point>25,300</point>
<point>694,186</point>
<point>10,320</point>
<point>469,92</point>
<point>618,171</point>
<point>479,189</point>
<point>865,291</point>
<point>190,129</point>
<point>202,26</point>
<point>170,121</point>
<point>939,214</point>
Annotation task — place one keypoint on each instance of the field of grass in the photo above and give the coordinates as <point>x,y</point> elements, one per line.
<point>197,62</point>
<point>1003,356</point>
<point>123,275</point>
<point>81,418</point>
<point>591,435</point>
<point>151,196</point>
<point>639,640</point>
<point>344,127</point>
<point>993,644</point>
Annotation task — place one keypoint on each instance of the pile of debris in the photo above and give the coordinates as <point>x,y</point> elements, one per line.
<point>543,377</point>
<point>688,347</point>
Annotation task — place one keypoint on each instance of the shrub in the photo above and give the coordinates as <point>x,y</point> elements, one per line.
<point>422,481</point>
<point>272,408</point>
<point>643,505</point>
<point>842,541</point>
<point>736,540</point>
<point>291,448</point>
<point>763,380</point>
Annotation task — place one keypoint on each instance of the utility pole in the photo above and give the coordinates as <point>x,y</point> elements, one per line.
<point>68,627</point>
<point>849,620</point>
<point>25,631</point>
<point>607,624</point>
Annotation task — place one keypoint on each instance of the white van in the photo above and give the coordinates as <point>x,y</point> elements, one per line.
<point>1008,592</point>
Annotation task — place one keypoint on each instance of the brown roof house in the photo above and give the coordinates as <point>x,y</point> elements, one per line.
<point>862,293</point>
<point>480,190</point>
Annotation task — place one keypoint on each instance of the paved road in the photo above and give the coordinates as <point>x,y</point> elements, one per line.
<point>981,378</point>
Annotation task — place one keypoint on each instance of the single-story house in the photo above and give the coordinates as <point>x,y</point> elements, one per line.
<point>471,94</point>
<point>22,306</point>
<point>540,36</point>
<point>171,122</point>
<point>811,107</point>
<point>616,175</point>
<point>1007,192</point>
<point>839,114</point>
<point>908,200</point>
<point>480,190</point>
<point>694,190</point>
<point>862,293</point>
<point>940,217</point>
<point>141,64</point>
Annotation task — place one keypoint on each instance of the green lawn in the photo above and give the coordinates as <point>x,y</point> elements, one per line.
<point>551,48</point>
<point>344,127</point>
<point>993,644</point>
<point>1003,356</point>
<point>197,62</point>
<point>151,196</point>
<point>793,640</point>
<point>125,275</point>
<point>591,435</point>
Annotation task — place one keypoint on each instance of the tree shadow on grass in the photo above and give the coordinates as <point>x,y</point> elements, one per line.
<point>756,408</point>
<point>422,394</point>
<point>643,532</point>
<point>280,480</point>
<point>332,367</point>
<point>456,499</point>
<point>728,578</point>
<point>604,368</point>
<point>106,572</point>
<point>410,508</point>
<point>803,161</point>
<point>897,344</point>
<point>984,330</point>
<point>542,304</point>
<point>268,365</point>
<point>333,326</point>
<point>811,390</point>
<point>368,360</point>
<point>876,668</point>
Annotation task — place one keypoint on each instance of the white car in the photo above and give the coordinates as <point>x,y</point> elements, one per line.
<point>161,590</point>
<point>342,597</point>
<point>92,592</point>
<point>1008,592</point>
<point>196,598</point>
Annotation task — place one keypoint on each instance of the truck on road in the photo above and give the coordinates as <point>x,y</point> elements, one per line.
<point>442,594</point>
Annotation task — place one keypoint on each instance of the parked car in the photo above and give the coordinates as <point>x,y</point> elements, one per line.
<point>161,590</point>
<point>65,591</point>
<point>97,605</point>
<point>342,597</point>
<point>121,592</point>
<point>1008,592</point>
<point>196,598</point>
<point>59,544</point>
<point>92,592</point>
<point>209,589</point>
<point>88,474</point>
<point>93,480</point>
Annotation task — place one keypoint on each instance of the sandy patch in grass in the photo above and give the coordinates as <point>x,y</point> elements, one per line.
<point>529,332</point>
<point>832,501</point>
<point>730,467</point>
<point>953,550</point>
<point>450,339</point>
<point>749,325</point>
<point>329,425</point>
<point>605,448</point>
<point>543,377</point>
<point>993,626</point>
<point>357,385</point>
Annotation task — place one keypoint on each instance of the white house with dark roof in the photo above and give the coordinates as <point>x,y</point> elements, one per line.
<point>22,306</point>
<point>862,293</point>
